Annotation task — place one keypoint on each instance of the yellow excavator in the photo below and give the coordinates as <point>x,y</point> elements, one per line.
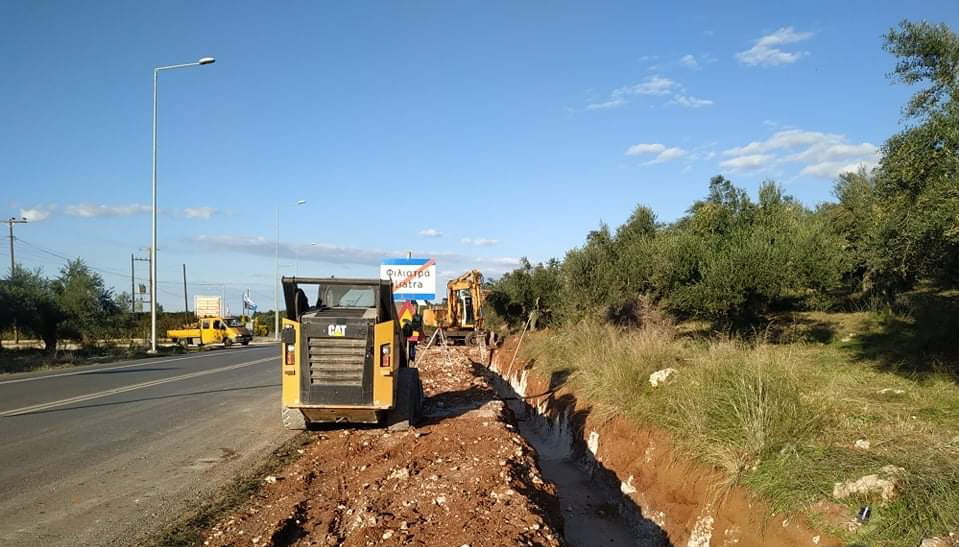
<point>461,319</point>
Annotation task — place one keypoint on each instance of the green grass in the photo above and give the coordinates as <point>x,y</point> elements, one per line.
<point>781,417</point>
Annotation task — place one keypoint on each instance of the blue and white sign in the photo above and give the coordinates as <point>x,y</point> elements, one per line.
<point>412,278</point>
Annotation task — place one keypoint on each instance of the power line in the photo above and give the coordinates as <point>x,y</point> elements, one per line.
<point>124,275</point>
<point>68,259</point>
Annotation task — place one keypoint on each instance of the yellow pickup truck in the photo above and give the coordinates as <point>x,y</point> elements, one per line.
<point>212,330</point>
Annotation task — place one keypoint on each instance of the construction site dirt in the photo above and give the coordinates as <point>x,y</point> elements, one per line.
<point>464,476</point>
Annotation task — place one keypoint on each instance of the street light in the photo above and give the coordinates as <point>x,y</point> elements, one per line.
<point>276,273</point>
<point>153,246</point>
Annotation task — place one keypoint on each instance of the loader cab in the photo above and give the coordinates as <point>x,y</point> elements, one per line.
<point>341,351</point>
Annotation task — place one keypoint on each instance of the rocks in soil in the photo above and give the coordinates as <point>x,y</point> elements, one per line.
<point>661,377</point>
<point>883,484</point>
<point>943,541</point>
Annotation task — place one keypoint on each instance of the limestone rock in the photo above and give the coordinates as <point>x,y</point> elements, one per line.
<point>661,376</point>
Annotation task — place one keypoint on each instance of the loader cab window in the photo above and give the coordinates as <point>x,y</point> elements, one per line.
<point>347,296</point>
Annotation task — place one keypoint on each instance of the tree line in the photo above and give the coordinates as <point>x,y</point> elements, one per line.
<point>732,259</point>
<point>76,304</point>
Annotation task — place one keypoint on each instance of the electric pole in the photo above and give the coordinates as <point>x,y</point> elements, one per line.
<point>13,265</point>
<point>134,259</point>
<point>10,223</point>
<point>133,285</point>
<point>186,303</point>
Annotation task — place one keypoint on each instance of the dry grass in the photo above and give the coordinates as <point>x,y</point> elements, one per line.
<point>782,419</point>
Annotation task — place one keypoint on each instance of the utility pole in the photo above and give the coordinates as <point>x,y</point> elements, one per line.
<point>10,223</point>
<point>133,284</point>
<point>13,265</point>
<point>186,303</point>
<point>134,259</point>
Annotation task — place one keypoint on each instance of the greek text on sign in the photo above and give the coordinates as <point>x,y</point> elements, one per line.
<point>412,278</point>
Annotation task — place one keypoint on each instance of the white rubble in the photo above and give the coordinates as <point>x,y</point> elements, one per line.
<point>884,486</point>
<point>661,376</point>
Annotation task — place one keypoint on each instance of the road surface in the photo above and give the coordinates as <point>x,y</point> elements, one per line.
<point>104,454</point>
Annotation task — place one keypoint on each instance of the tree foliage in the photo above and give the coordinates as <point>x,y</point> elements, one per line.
<point>732,259</point>
<point>31,303</point>
<point>86,303</point>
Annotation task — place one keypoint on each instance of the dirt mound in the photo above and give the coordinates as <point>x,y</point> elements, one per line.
<point>464,477</point>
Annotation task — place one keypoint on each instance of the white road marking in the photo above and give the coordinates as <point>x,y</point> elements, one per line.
<point>139,363</point>
<point>124,389</point>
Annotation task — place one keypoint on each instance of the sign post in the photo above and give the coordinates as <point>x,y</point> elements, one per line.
<point>412,278</point>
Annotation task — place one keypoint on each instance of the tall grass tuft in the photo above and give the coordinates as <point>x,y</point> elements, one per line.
<point>736,405</point>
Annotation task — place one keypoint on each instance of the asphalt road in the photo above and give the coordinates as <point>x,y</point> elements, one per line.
<point>105,454</point>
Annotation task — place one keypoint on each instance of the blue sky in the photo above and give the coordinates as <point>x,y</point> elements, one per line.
<point>476,133</point>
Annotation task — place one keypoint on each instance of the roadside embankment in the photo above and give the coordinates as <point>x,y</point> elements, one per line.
<point>660,488</point>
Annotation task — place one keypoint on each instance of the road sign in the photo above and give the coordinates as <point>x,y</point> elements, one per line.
<point>206,306</point>
<point>412,278</point>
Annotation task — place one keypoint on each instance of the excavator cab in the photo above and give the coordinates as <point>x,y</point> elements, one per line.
<point>343,359</point>
<point>462,320</point>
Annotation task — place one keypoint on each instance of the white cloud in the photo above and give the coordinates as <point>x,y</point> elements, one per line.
<point>819,154</point>
<point>259,245</point>
<point>652,85</point>
<point>765,51</point>
<point>637,149</point>
<point>689,60</point>
<point>340,254</point>
<point>90,210</point>
<point>747,163</point>
<point>479,241</point>
<point>612,103</point>
<point>691,102</point>
<point>35,214</point>
<point>789,138</point>
<point>94,210</point>
<point>201,213</point>
<point>663,153</point>
<point>832,169</point>
<point>430,232</point>
<point>670,154</point>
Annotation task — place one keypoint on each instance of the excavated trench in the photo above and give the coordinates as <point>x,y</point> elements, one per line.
<point>594,508</point>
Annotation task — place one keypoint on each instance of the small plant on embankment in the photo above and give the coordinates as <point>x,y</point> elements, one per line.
<point>782,420</point>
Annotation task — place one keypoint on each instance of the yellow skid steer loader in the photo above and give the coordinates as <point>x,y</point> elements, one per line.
<point>343,359</point>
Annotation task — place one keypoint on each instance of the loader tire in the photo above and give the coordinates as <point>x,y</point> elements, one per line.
<point>293,419</point>
<point>406,412</point>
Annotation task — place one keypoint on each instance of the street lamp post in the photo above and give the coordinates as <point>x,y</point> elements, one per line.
<point>276,272</point>
<point>153,246</point>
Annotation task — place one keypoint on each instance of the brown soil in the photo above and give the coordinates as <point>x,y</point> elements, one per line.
<point>464,477</point>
